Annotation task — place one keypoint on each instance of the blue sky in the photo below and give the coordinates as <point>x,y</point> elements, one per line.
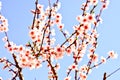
<point>19,17</point>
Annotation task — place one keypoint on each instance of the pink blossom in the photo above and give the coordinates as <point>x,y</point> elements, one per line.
<point>32,33</point>
<point>67,78</point>
<point>27,53</point>
<point>86,27</point>
<point>61,26</point>
<point>26,60</point>
<point>45,57</point>
<point>71,40</point>
<point>39,6</point>
<point>68,51</point>
<point>105,4</point>
<point>85,20</point>
<point>79,18</point>
<point>10,46</point>
<point>3,24</point>
<point>83,76</point>
<point>91,17</point>
<point>58,16</point>
<point>88,18</point>
<point>74,66</point>
<point>20,48</point>
<point>94,2</point>
<point>92,56</point>
<point>78,41</point>
<point>84,68</point>
<point>57,66</point>
<point>112,54</point>
<point>59,52</point>
<point>91,50</point>
<point>52,23</point>
<point>38,63</point>
<point>58,19</point>
<point>103,1</point>
<point>5,39</point>
<point>103,60</point>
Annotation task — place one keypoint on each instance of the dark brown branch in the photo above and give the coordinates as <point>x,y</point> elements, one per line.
<point>47,26</point>
<point>104,76</point>
<point>92,10</point>
<point>7,39</point>
<point>64,34</point>
<point>87,1</point>
<point>76,74</point>
<point>19,68</point>
<point>71,44</point>
<point>34,14</point>
<point>49,17</point>
<point>68,38</point>
<point>53,70</point>
<point>69,72</point>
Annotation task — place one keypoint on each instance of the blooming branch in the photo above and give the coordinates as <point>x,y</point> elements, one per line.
<point>42,47</point>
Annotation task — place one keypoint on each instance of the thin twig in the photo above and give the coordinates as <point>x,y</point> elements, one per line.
<point>90,61</point>
<point>57,1</point>
<point>87,1</point>
<point>113,72</point>
<point>91,11</point>
<point>99,63</point>
<point>47,25</point>
<point>76,74</point>
<point>53,70</point>
<point>36,3</point>
<point>68,38</point>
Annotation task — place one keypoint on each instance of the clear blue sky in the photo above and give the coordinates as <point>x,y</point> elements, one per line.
<point>18,14</point>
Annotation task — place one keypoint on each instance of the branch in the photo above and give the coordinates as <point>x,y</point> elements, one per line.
<point>113,72</point>
<point>53,70</point>
<point>104,76</point>
<point>34,14</point>
<point>76,74</point>
<point>68,38</point>
<point>19,68</point>
<point>92,10</point>
<point>99,63</point>
<point>87,1</point>
<point>47,26</point>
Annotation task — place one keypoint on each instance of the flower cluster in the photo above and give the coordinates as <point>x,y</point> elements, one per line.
<point>42,47</point>
<point>112,54</point>
<point>3,24</point>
